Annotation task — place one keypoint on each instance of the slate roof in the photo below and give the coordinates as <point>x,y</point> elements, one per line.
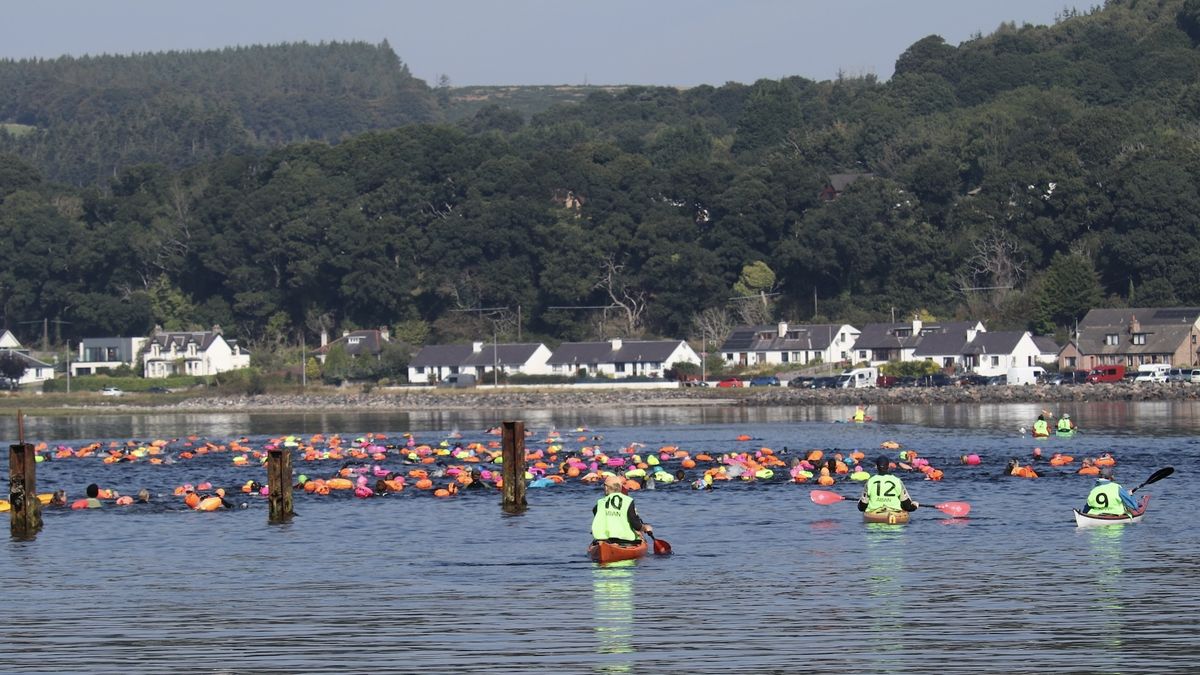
<point>841,181</point>
<point>766,338</point>
<point>997,342</point>
<point>941,344</point>
<point>29,361</point>
<point>505,355</point>
<point>440,355</point>
<point>1160,339</point>
<point>1045,344</point>
<point>631,351</point>
<point>181,340</point>
<point>1147,316</point>
<point>882,335</point>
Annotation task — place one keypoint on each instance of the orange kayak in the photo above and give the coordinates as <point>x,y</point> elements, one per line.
<point>604,552</point>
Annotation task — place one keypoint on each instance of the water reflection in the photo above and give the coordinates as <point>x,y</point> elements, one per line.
<point>1105,544</point>
<point>612,595</point>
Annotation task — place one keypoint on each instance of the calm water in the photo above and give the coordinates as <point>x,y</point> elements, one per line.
<point>763,580</point>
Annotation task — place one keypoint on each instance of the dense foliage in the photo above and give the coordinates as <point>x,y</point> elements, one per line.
<point>87,119</point>
<point>1017,178</point>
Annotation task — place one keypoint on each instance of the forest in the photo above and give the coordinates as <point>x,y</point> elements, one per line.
<point>1019,178</point>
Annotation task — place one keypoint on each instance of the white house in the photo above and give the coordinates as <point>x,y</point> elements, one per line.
<point>784,343</point>
<point>1047,349</point>
<point>198,353</point>
<point>35,370</point>
<point>618,358</point>
<point>358,343</point>
<point>882,342</point>
<point>434,362</point>
<point>995,352</point>
<point>95,354</point>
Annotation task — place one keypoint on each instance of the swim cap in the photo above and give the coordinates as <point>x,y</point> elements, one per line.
<point>882,463</point>
<point>303,479</point>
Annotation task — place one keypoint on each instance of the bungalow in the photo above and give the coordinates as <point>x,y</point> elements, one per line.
<point>619,358</point>
<point>35,370</point>
<point>995,352</point>
<point>434,362</point>
<point>356,343</point>
<point>199,353</point>
<point>96,354</point>
<point>882,342</point>
<point>1134,336</point>
<point>786,343</point>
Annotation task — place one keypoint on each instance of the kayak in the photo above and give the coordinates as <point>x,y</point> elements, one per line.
<point>888,517</point>
<point>604,552</point>
<point>1088,520</point>
<point>1065,434</point>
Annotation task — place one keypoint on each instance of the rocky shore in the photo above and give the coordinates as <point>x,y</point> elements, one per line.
<point>511,398</point>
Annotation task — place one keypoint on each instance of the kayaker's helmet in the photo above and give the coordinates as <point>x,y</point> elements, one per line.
<point>882,463</point>
<point>1066,416</point>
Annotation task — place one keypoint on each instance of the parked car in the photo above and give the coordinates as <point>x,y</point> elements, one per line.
<point>156,389</point>
<point>730,382</point>
<point>886,381</point>
<point>936,380</point>
<point>8,384</point>
<point>801,382</point>
<point>974,380</point>
<point>997,380</point>
<point>1106,374</point>
<point>111,391</point>
<point>1184,375</point>
<point>764,381</point>
<point>458,381</point>
<point>825,383</point>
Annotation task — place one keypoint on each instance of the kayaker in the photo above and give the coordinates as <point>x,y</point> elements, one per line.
<point>885,492</point>
<point>615,519</point>
<point>1065,425</point>
<point>1109,498</point>
<point>1040,428</point>
<point>860,413</point>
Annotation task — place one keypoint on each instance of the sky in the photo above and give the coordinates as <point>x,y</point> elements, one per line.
<point>527,42</point>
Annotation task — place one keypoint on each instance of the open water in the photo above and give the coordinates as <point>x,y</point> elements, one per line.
<point>762,580</point>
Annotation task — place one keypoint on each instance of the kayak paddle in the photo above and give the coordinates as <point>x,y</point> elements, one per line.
<point>661,546</point>
<point>953,509</point>
<point>1155,477</point>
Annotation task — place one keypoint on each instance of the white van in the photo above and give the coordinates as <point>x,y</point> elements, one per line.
<point>857,378</point>
<point>458,381</point>
<point>1152,372</point>
<point>1025,375</point>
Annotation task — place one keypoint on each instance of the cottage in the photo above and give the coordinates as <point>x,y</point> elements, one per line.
<point>784,343</point>
<point>1134,336</point>
<point>359,343</point>
<point>35,370</point>
<point>996,352</point>
<point>198,353</point>
<point>434,362</point>
<point>879,343</point>
<point>618,358</point>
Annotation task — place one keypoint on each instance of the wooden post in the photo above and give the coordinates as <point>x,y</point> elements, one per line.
<point>514,467</point>
<point>26,511</point>
<point>279,485</point>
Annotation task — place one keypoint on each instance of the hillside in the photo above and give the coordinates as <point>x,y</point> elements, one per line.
<point>84,120</point>
<point>460,103</point>
<point>1019,178</point>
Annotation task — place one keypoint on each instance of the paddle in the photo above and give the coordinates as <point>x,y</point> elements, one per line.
<point>953,509</point>
<point>1155,477</point>
<point>661,546</point>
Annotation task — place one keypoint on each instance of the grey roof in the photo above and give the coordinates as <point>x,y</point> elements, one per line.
<point>883,335</point>
<point>181,340</point>
<point>1160,339</point>
<point>841,181</point>
<point>941,344</point>
<point>1147,316</point>
<point>505,355</point>
<point>996,342</point>
<point>1046,344</point>
<point>369,342</point>
<point>631,351</point>
<point>29,361</point>
<point>440,355</point>
<point>766,338</point>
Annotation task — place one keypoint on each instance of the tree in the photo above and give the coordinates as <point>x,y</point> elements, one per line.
<point>1069,289</point>
<point>753,291</point>
<point>12,365</point>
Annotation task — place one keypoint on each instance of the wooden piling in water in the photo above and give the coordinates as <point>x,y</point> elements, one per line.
<point>513,453</point>
<point>279,485</point>
<point>25,518</point>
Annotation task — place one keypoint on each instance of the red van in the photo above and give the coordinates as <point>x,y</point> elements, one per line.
<point>1106,374</point>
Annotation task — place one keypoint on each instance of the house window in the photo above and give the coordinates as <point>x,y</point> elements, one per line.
<point>843,357</point>
<point>795,357</point>
<point>783,357</point>
<point>995,361</point>
<point>1139,338</point>
<point>1071,362</point>
<point>420,370</point>
<point>354,340</point>
<point>620,367</point>
<point>1111,339</point>
<point>841,338</point>
<point>862,355</point>
<point>761,357</point>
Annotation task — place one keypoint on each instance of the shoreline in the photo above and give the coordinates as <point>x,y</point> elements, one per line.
<point>518,399</point>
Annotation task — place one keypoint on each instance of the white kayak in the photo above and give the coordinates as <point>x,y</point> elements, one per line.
<point>1089,520</point>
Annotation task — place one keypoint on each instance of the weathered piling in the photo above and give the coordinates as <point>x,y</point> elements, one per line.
<point>26,511</point>
<point>279,485</point>
<point>513,452</point>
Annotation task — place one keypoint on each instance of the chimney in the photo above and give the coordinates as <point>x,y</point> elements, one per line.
<point>345,333</point>
<point>1134,325</point>
<point>476,347</point>
<point>324,337</point>
<point>782,329</point>
<point>383,334</point>
<point>616,343</point>
<point>916,325</point>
